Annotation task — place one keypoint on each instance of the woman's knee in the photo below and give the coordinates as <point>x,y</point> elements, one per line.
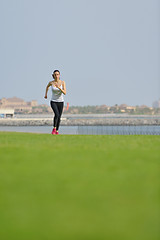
<point>57,116</point>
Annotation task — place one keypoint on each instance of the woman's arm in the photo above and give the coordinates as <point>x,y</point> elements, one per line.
<point>49,84</point>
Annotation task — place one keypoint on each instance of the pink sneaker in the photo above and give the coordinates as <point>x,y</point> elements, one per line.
<point>54,131</point>
<point>57,133</point>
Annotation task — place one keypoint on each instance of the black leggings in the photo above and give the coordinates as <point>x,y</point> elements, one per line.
<point>57,108</point>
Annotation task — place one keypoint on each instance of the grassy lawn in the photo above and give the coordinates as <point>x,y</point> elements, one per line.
<point>79,187</point>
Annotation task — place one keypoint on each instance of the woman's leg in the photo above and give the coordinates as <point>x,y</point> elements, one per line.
<point>60,109</point>
<point>56,113</point>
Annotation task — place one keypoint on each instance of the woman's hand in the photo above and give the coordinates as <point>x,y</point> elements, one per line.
<point>45,96</point>
<point>63,89</point>
<point>56,85</point>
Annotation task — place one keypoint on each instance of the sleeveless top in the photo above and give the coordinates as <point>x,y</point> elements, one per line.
<point>57,95</point>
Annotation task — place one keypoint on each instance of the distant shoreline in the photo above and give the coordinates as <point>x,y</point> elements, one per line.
<point>81,121</point>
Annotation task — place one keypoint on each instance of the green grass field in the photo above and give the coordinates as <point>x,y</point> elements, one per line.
<point>79,187</point>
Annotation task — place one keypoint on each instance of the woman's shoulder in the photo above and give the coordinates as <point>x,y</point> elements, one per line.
<point>51,83</point>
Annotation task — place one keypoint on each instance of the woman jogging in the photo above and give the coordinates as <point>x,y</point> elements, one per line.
<point>57,101</point>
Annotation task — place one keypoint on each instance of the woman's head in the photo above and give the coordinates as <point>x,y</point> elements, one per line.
<point>56,74</point>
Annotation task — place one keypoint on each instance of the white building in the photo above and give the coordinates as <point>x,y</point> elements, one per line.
<point>4,113</point>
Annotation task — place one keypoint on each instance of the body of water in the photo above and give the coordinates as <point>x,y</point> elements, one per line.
<point>40,129</point>
<point>86,130</point>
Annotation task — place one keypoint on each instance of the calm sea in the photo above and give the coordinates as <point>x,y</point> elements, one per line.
<point>93,130</point>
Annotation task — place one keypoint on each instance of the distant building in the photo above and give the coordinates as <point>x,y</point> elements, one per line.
<point>143,106</point>
<point>131,108</point>
<point>123,106</point>
<point>4,113</point>
<point>156,104</point>
<point>18,104</point>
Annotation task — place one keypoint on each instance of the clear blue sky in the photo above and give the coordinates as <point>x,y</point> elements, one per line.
<point>108,51</point>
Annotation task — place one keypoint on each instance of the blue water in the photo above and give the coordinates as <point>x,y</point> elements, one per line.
<point>120,130</point>
<point>93,130</point>
<point>39,129</point>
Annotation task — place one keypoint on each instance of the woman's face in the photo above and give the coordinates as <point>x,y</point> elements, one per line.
<point>56,75</point>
